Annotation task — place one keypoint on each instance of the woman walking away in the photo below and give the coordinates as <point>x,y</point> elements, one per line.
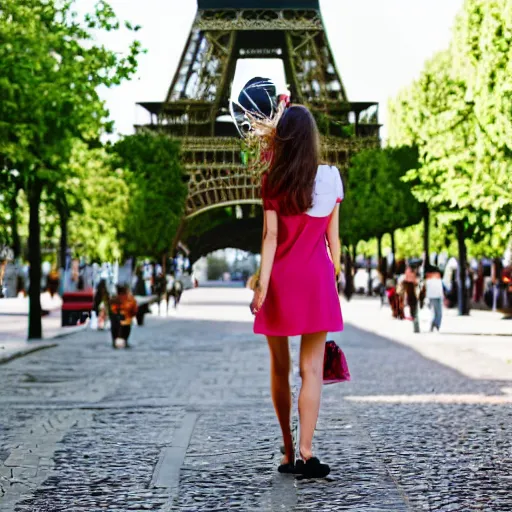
<point>296,293</point>
<point>434,288</point>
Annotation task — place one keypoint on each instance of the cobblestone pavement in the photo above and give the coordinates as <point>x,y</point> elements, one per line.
<point>183,421</point>
<point>479,345</point>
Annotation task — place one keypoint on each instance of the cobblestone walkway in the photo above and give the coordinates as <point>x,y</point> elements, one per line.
<point>184,422</point>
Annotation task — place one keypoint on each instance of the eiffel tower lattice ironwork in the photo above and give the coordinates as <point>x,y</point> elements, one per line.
<point>197,104</point>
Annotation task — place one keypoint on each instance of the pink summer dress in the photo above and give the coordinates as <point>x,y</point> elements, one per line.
<point>302,296</point>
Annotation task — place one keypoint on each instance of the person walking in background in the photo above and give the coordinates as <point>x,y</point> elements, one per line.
<point>296,293</point>
<point>52,282</point>
<point>101,303</point>
<point>496,270</point>
<point>394,299</point>
<point>160,287</point>
<point>174,290</point>
<point>435,294</point>
<point>479,284</point>
<point>409,289</point>
<point>123,307</point>
<point>147,275</point>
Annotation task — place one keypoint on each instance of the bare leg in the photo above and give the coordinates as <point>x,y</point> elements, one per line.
<point>280,390</point>
<point>312,349</point>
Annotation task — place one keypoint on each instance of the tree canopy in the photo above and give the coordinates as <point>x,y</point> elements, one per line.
<point>377,201</point>
<point>458,114</point>
<point>157,192</point>
<point>51,68</point>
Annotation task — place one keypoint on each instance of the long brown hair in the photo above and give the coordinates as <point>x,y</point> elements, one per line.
<point>295,158</point>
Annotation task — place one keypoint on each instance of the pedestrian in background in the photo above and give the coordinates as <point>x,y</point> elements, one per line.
<point>435,294</point>
<point>297,293</point>
<point>479,284</point>
<point>123,307</point>
<point>160,287</point>
<point>101,303</point>
<point>409,288</point>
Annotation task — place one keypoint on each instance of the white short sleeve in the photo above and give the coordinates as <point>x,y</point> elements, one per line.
<point>327,192</point>
<point>340,193</point>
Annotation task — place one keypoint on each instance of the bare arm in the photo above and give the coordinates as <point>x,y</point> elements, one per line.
<point>333,238</point>
<point>269,246</point>
<point>268,252</point>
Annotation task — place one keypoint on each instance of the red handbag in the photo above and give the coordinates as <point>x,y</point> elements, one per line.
<point>335,364</point>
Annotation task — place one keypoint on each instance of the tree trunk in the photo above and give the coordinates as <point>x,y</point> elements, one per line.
<point>369,269</point>
<point>393,251</point>
<point>354,254</point>
<point>426,235</point>
<point>380,261</point>
<point>16,245</point>
<point>349,278</point>
<point>164,262</point>
<point>35,330</point>
<point>63,237</point>
<point>63,248</point>
<point>177,237</point>
<point>463,299</point>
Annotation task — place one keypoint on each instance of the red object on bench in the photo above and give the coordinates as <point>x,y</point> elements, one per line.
<point>76,306</point>
<point>78,296</point>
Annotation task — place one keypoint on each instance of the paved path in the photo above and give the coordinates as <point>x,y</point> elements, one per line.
<point>184,422</point>
<point>14,326</point>
<point>479,345</point>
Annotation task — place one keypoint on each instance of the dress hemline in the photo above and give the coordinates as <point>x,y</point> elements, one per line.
<point>267,333</point>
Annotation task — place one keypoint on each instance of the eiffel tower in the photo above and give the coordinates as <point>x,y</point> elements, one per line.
<point>197,102</point>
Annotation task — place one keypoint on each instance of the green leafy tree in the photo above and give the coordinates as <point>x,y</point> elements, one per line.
<point>482,48</point>
<point>9,210</point>
<point>377,200</point>
<point>100,194</point>
<point>458,114</point>
<point>446,141</point>
<point>157,192</point>
<point>50,71</point>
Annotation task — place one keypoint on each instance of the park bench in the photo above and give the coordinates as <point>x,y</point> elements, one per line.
<point>76,307</point>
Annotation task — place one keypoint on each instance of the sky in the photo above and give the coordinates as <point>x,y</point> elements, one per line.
<point>380,47</point>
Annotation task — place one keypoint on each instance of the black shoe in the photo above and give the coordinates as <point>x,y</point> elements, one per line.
<point>287,468</point>
<point>312,468</point>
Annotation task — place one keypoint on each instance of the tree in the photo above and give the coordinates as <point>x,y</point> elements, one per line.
<point>100,194</point>
<point>446,140</point>
<point>482,48</point>
<point>157,192</point>
<point>458,114</point>
<point>9,210</point>
<point>50,69</point>
<point>375,187</point>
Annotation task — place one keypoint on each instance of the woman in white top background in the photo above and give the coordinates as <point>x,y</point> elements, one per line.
<point>435,294</point>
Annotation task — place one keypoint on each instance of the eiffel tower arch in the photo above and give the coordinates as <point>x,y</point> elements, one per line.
<point>197,102</point>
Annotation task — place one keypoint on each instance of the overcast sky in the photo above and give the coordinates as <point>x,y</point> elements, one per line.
<point>380,46</point>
